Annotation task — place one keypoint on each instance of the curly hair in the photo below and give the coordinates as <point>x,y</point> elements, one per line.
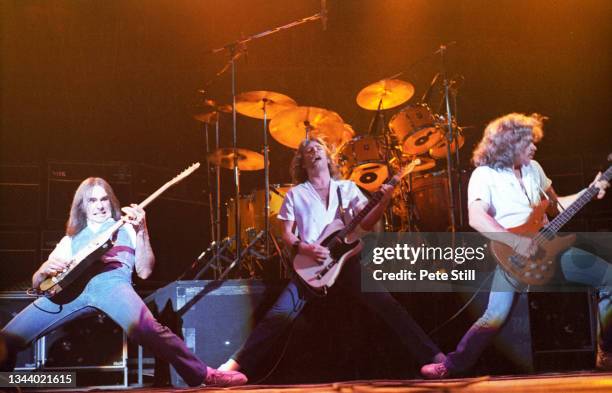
<point>506,137</point>
<point>78,213</point>
<point>299,173</point>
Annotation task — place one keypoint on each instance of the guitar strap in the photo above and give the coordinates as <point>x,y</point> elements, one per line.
<point>340,207</point>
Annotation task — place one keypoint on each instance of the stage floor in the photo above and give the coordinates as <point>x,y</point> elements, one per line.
<point>549,383</point>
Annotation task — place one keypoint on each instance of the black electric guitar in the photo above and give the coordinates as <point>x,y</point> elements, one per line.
<point>84,260</point>
<point>322,275</point>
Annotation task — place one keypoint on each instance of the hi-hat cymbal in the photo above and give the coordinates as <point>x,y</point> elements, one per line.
<point>208,111</point>
<point>207,117</point>
<point>289,126</point>
<point>252,103</point>
<point>248,160</point>
<point>392,92</point>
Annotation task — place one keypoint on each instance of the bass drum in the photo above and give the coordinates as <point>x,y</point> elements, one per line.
<point>247,216</point>
<point>277,196</point>
<point>430,197</point>
<point>362,160</point>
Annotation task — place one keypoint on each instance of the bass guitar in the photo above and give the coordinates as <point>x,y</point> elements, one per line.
<point>541,267</point>
<point>82,261</point>
<point>335,236</point>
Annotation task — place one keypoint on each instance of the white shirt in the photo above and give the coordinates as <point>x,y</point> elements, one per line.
<point>510,205</point>
<point>303,205</point>
<point>63,249</point>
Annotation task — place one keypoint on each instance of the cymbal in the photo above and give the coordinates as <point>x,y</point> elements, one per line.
<point>251,103</point>
<point>248,160</point>
<point>227,108</point>
<point>208,111</point>
<point>393,92</point>
<point>207,117</point>
<point>289,126</point>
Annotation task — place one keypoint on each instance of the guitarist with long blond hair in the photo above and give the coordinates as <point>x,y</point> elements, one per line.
<point>310,207</point>
<point>504,193</point>
<point>94,209</point>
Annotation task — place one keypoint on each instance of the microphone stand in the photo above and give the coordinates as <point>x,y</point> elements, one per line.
<point>236,49</point>
<point>449,139</point>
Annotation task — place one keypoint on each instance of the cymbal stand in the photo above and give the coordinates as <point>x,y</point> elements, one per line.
<point>217,225</point>
<point>266,180</point>
<point>208,188</point>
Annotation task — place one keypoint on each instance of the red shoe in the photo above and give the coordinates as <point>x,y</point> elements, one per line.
<point>218,378</point>
<point>435,371</point>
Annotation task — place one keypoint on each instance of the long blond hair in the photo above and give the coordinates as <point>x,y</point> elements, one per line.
<point>505,138</point>
<point>78,213</point>
<point>299,173</point>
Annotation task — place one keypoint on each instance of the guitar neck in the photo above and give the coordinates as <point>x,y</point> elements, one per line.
<point>376,197</point>
<point>577,205</point>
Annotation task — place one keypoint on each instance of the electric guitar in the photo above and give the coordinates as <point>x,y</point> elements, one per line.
<point>322,275</point>
<point>540,268</point>
<point>88,256</point>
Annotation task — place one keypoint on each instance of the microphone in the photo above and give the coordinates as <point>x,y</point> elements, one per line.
<point>324,14</point>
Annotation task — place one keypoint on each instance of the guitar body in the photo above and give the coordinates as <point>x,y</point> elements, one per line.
<point>323,275</point>
<point>82,267</point>
<point>540,268</point>
<point>69,284</point>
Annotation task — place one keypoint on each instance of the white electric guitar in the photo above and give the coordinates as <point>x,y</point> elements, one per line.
<point>335,236</point>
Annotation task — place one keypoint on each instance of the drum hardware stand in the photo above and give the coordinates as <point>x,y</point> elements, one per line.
<point>236,49</point>
<point>211,257</point>
<point>266,181</point>
<point>449,136</point>
<point>240,255</point>
<point>215,208</point>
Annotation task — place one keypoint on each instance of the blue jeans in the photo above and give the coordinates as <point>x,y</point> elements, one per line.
<point>295,296</point>
<point>112,293</point>
<point>576,265</point>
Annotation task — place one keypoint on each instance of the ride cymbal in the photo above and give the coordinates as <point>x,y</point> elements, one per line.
<point>252,103</point>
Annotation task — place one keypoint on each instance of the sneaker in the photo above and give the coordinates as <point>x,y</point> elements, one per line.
<point>604,360</point>
<point>218,378</point>
<point>435,371</point>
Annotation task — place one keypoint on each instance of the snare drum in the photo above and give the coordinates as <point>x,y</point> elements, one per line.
<point>247,215</point>
<point>416,129</point>
<point>362,160</point>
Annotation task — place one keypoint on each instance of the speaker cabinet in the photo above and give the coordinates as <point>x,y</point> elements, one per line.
<point>19,258</point>
<point>63,178</point>
<point>213,317</point>
<point>11,303</point>
<point>19,195</point>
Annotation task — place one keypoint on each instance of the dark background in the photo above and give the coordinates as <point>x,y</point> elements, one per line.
<point>97,81</point>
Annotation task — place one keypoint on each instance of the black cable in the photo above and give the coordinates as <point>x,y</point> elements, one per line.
<point>469,301</point>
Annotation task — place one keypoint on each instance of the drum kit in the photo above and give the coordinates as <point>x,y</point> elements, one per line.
<point>412,132</point>
<point>415,131</point>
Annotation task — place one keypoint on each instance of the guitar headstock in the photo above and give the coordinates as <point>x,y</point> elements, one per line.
<point>405,171</point>
<point>185,173</point>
